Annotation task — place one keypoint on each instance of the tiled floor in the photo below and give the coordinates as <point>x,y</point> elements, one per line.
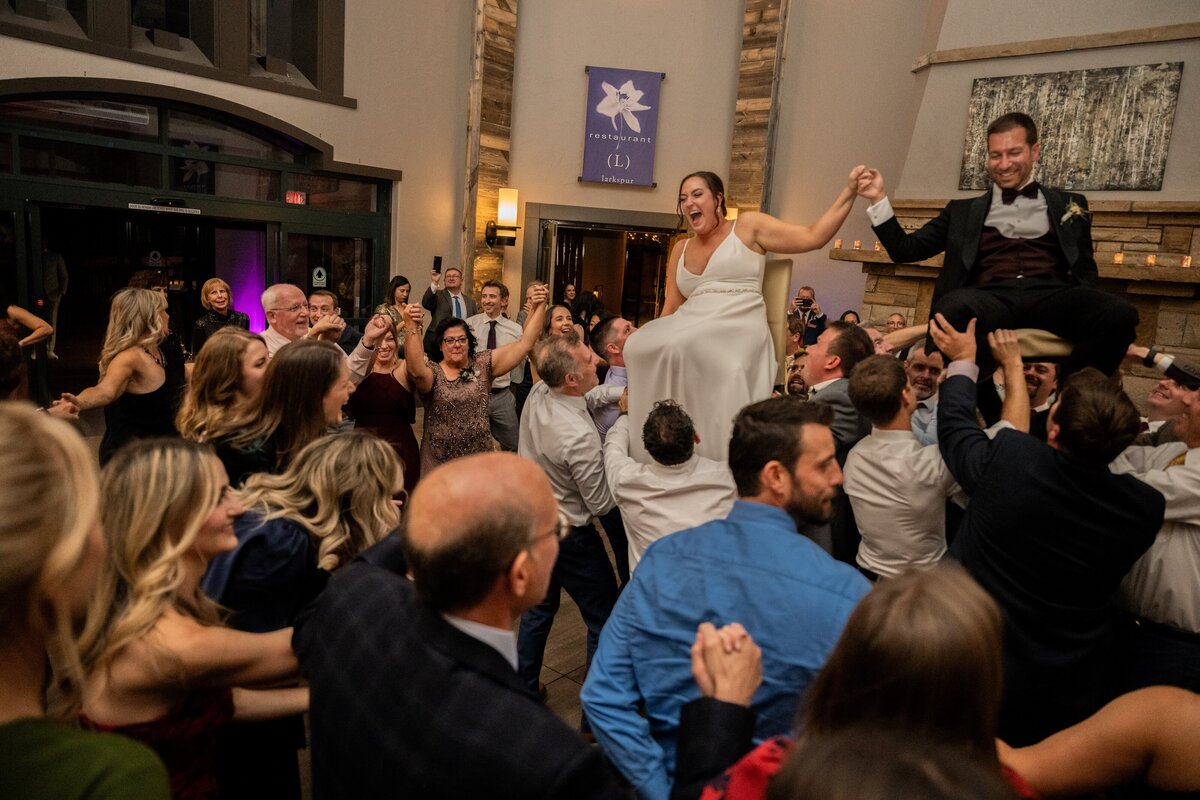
<point>565,664</point>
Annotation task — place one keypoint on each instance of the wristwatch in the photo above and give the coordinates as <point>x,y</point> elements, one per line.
<point>1148,361</point>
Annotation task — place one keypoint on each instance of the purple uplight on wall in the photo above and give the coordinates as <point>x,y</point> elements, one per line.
<point>241,257</point>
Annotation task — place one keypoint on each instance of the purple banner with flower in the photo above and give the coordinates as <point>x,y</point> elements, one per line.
<point>621,126</point>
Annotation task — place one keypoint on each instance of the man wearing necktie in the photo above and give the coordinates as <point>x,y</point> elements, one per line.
<point>445,302</point>
<point>495,330</point>
<point>1019,256</point>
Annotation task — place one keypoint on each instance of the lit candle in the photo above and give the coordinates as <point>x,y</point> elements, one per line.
<point>1118,258</point>
<point>878,245</point>
<point>837,244</point>
<point>1151,260</point>
<point>858,244</point>
<point>1186,262</point>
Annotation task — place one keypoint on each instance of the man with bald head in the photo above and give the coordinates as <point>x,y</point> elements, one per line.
<point>414,685</point>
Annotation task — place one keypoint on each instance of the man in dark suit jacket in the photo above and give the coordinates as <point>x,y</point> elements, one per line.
<point>414,685</point>
<point>441,303</point>
<point>827,369</point>
<point>1049,533</point>
<point>1019,256</point>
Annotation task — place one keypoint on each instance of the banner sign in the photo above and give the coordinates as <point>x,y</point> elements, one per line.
<point>621,126</point>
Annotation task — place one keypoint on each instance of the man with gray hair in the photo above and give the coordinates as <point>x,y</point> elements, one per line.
<point>287,311</point>
<point>679,490</point>
<point>924,371</point>
<point>557,434</point>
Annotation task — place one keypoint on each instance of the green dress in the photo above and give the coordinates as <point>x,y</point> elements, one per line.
<point>41,758</point>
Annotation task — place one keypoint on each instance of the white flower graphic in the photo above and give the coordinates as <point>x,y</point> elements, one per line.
<point>623,101</point>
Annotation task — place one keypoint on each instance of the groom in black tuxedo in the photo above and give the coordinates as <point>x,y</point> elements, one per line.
<point>1019,256</point>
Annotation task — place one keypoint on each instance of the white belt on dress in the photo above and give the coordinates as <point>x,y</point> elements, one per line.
<point>723,290</point>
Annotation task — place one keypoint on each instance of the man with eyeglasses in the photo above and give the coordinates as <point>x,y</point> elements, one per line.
<point>557,433</point>
<point>286,309</point>
<point>414,684</point>
<point>442,303</point>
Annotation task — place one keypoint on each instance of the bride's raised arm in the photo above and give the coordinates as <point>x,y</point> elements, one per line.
<point>777,236</point>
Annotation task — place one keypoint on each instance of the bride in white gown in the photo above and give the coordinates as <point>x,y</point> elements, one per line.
<point>711,350</point>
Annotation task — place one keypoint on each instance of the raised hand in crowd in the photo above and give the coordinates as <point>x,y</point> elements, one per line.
<point>328,328</point>
<point>375,330</point>
<point>955,345</point>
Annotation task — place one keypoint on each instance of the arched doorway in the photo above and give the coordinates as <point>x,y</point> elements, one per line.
<point>121,183</point>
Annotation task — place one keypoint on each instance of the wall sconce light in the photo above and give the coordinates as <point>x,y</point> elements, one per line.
<point>731,213</point>
<point>503,231</point>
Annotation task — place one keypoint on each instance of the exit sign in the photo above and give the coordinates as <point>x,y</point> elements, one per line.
<point>296,198</point>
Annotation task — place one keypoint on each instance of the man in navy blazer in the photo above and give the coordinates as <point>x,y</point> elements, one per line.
<point>414,685</point>
<point>1049,533</point>
<point>1019,256</point>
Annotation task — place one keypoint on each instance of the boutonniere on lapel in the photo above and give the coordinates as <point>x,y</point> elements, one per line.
<point>1074,211</point>
<point>467,375</point>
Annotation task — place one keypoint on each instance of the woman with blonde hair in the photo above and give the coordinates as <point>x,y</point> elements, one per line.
<point>140,382</point>
<point>50,552</point>
<point>228,374</point>
<point>217,299</point>
<point>334,501</point>
<point>159,665</point>
<point>303,391</point>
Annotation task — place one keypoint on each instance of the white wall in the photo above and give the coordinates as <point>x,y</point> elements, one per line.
<point>932,165</point>
<point>696,42</point>
<point>847,98</point>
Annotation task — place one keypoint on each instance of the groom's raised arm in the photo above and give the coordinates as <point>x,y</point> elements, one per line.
<point>903,247</point>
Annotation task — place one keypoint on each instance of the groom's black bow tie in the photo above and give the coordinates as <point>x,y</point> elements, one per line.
<point>1008,195</point>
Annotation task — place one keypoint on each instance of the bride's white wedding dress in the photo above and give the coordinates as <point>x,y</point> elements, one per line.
<point>713,356</point>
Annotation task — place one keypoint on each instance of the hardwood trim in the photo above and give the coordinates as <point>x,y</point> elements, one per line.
<point>1062,44</point>
<point>474,113</point>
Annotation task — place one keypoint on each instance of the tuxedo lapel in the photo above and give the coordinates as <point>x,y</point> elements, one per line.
<point>974,230</point>
<point>1056,205</point>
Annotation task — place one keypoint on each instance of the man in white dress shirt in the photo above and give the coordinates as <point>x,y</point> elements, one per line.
<point>608,340</point>
<point>493,330</point>
<point>898,487</point>
<point>1160,643</point>
<point>680,490</point>
<point>557,433</point>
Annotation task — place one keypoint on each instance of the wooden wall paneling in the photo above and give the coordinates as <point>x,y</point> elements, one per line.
<point>764,32</point>
<point>489,128</point>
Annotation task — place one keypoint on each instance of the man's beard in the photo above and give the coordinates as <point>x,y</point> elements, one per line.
<point>806,511</point>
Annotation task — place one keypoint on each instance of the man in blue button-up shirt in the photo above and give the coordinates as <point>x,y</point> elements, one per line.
<point>754,567</point>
